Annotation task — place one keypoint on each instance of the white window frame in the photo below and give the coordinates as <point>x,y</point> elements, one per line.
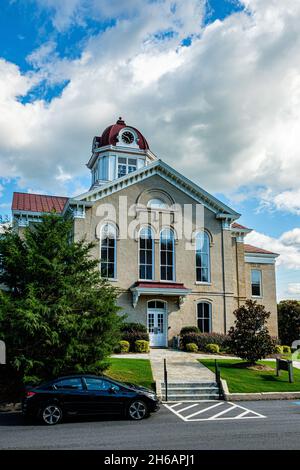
<point>174,259</point>
<point>206,235</point>
<point>115,249</point>
<point>201,302</point>
<point>153,254</point>
<point>158,204</point>
<point>126,164</point>
<point>260,284</point>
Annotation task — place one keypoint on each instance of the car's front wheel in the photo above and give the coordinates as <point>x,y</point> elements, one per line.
<point>51,414</point>
<point>137,410</point>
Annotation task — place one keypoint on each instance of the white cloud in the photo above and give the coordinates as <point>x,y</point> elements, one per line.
<point>294,288</point>
<point>287,246</point>
<point>286,201</point>
<point>224,111</point>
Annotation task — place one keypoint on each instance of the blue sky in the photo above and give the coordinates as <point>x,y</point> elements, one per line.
<point>213,86</point>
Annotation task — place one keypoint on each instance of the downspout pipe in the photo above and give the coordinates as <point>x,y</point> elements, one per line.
<point>224,280</point>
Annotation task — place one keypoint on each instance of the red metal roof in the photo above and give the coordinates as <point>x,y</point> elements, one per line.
<point>161,285</point>
<point>109,135</point>
<point>255,249</point>
<point>38,203</point>
<point>239,226</point>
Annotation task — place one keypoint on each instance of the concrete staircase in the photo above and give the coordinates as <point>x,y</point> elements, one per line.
<point>191,391</point>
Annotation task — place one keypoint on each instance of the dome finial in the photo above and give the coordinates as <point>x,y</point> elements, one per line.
<point>120,120</point>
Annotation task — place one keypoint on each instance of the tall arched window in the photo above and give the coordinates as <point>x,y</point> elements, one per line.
<point>146,254</point>
<point>204,317</point>
<point>108,251</point>
<point>167,255</point>
<point>202,257</point>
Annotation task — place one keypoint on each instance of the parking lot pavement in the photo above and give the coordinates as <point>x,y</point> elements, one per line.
<point>280,429</point>
<point>211,411</point>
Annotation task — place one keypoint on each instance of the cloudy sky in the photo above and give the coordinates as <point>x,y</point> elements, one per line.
<point>214,85</point>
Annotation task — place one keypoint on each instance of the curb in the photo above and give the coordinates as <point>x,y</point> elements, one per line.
<point>257,396</point>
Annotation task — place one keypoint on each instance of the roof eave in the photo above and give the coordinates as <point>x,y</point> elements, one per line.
<point>221,209</point>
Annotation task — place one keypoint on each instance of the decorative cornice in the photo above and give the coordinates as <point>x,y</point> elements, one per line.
<point>260,258</point>
<point>173,177</point>
<point>119,150</point>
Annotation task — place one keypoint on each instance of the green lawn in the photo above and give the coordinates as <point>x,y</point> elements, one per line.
<point>244,380</point>
<point>137,371</point>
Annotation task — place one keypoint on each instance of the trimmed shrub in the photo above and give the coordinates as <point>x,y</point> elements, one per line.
<point>133,327</point>
<point>134,336</point>
<point>124,346</point>
<point>192,347</point>
<point>203,339</point>
<point>278,349</point>
<point>213,348</point>
<point>286,349</point>
<point>249,337</point>
<point>189,329</point>
<point>141,346</point>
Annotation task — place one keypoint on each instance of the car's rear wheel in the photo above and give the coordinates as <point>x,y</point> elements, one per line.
<point>137,410</point>
<point>51,414</point>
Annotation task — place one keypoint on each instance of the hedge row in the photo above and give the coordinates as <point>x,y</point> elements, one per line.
<point>202,340</point>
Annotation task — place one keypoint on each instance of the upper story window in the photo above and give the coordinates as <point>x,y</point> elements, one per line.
<point>126,165</point>
<point>256,283</point>
<point>167,255</point>
<point>108,254</point>
<point>204,317</point>
<point>146,254</point>
<point>202,257</point>
<point>157,203</point>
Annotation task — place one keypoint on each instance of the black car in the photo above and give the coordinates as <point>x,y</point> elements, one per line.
<point>87,395</point>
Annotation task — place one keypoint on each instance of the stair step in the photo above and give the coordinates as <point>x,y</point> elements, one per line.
<point>211,396</point>
<point>190,385</point>
<point>192,391</point>
<point>185,387</point>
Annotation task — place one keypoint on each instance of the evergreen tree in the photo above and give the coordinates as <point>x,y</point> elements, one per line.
<point>249,338</point>
<point>57,316</point>
<point>289,321</point>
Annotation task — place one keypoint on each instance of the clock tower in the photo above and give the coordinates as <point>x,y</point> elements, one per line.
<point>121,149</point>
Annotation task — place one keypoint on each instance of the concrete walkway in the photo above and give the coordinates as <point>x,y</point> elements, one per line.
<point>182,367</point>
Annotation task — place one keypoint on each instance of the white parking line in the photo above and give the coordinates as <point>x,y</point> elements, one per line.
<point>223,412</point>
<point>240,411</point>
<point>205,409</point>
<point>187,407</point>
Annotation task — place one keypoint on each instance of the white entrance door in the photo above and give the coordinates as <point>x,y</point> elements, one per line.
<point>157,326</point>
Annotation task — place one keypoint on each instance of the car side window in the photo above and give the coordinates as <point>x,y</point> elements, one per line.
<point>94,384</point>
<point>68,384</point>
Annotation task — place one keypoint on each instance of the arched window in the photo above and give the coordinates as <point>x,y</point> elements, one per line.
<point>204,317</point>
<point>167,255</point>
<point>108,251</point>
<point>157,203</point>
<point>202,257</point>
<point>146,254</point>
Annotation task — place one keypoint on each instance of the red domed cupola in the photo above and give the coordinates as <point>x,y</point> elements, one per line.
<point>113,135</point>
<point>120,150</point>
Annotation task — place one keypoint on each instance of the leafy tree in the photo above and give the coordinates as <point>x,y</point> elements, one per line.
<point>249,338</point>
<point>57,316</point>
<point>289,321</point>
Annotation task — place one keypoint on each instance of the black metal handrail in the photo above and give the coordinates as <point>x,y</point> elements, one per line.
<point>218,377</point>
<point>166,379</point>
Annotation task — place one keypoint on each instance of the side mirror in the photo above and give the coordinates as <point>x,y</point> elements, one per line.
<point>113,389</point>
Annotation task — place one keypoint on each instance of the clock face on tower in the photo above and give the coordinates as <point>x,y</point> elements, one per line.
<point>127,137</point>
